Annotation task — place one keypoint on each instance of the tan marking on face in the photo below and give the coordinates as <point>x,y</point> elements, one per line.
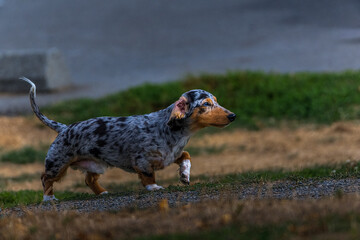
<point>208,100</point>
<point>179,115</point>
<point>215,98</point>
<point>216,116</point>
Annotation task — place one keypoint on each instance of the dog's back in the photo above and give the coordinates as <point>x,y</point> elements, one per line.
<point>141,144</point>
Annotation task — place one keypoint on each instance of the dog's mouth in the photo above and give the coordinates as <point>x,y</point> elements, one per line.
<point>220,125</point>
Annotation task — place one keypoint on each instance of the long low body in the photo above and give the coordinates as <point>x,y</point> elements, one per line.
<point>122,142</point>
<point>140,144</point>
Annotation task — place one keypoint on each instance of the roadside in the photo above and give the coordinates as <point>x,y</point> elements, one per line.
<point>113,46</point>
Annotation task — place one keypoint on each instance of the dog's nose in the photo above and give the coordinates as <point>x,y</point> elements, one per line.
<point>231,117</point>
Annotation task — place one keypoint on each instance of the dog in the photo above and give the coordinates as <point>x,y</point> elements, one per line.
<point>139,144</point>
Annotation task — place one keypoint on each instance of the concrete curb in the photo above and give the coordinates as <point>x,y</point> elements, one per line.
<point>46,68</point>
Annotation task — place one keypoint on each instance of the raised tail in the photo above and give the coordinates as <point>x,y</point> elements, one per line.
<point>50,123</point>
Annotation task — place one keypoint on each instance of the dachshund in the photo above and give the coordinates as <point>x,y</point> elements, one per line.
<point>140,144</point>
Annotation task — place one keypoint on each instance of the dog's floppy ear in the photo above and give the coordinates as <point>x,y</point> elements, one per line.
<point>181,107</point>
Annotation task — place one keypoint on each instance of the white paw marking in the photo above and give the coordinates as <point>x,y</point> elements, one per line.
<point>152,187</point>
<point>185,171</point>
<point>47,198</point>
<point>104,192</point>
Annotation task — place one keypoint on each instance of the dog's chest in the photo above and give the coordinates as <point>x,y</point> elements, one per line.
<point>175,151</point>
<point>165,154</point>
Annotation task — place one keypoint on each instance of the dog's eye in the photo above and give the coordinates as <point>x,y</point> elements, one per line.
<point>206,104</point>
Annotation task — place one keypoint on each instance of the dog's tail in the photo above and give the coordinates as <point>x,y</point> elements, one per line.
<point>50,123</point>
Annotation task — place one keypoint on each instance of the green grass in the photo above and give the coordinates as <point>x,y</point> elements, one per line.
<point>23,156</point>
<point>256,97</point>
<point>205,183</point>
<point>26,197</point>
<point>347,170</point>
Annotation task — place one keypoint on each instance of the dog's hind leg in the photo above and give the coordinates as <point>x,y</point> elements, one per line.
<point>91,181</point>
<point>48,179</point>
<point>184,163</point>
<point>55,169</point>
<point>47,184</point>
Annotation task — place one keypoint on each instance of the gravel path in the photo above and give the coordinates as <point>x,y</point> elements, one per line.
<point>308,189</point>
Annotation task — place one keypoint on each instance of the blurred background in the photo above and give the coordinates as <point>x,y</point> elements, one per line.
<point>289,69</point>
<point>110,46</point>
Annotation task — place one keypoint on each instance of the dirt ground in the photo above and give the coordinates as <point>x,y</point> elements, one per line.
<point>224,152</point>
<point>303,220</point>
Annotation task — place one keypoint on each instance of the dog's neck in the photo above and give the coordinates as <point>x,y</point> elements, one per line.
<point>179,127</point>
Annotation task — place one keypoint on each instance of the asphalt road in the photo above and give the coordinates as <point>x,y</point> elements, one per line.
<point>112,45</point>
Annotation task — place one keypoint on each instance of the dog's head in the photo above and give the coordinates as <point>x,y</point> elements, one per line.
<point>198,109</point>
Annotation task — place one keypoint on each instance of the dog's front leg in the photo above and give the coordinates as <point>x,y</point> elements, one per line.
<point>184,163</point>
<point>148,180</point>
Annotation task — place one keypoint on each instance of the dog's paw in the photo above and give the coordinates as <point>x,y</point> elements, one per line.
<point>104,192</point>
<point>184,171</point>
<point>47,198</point>
<point>152,187</point>
<point>185,179</point>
